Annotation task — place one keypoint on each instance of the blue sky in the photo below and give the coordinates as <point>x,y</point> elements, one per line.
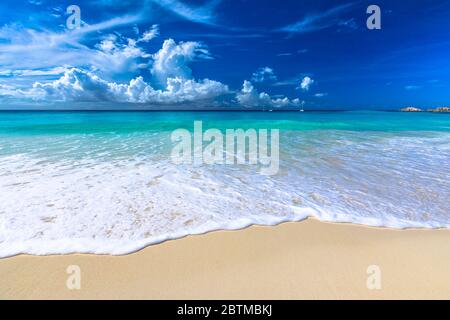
<point>249,54</point>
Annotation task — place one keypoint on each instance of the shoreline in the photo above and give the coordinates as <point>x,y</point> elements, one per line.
<point>294,260</point>
<point>143,244</point>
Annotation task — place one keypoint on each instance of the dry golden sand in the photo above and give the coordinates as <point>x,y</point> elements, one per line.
<point>305,260</point>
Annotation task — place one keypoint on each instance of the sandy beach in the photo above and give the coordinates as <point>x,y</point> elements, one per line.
<point>305,260</point>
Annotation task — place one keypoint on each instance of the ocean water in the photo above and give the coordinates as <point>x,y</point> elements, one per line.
<point>104,182</point>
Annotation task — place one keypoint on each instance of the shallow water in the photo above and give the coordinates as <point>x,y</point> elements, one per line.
<point>103,182</point>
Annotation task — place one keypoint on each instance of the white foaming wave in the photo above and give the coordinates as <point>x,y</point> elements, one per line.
<point>118,207</point>
<point>378,179</point>
<point>122,204</point>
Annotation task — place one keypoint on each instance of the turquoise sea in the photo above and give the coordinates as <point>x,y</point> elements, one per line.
<point>104,182</point>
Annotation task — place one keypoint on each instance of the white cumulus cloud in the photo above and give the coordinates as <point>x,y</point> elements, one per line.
<point>81,85</point>
<point>173,59</point>
<point>117,56</point>
<point>306,83</point>
<point>249,97</point>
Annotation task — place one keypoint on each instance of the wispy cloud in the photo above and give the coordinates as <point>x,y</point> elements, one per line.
<point>19,39</point>
<point>285,54</point>
<point>24,48</point>
<point>226,35</point>
<point>108,24</point>
<point>319,21</point>
<point>35,2</point>
<point>264,74</point>
<point>204,14</point>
